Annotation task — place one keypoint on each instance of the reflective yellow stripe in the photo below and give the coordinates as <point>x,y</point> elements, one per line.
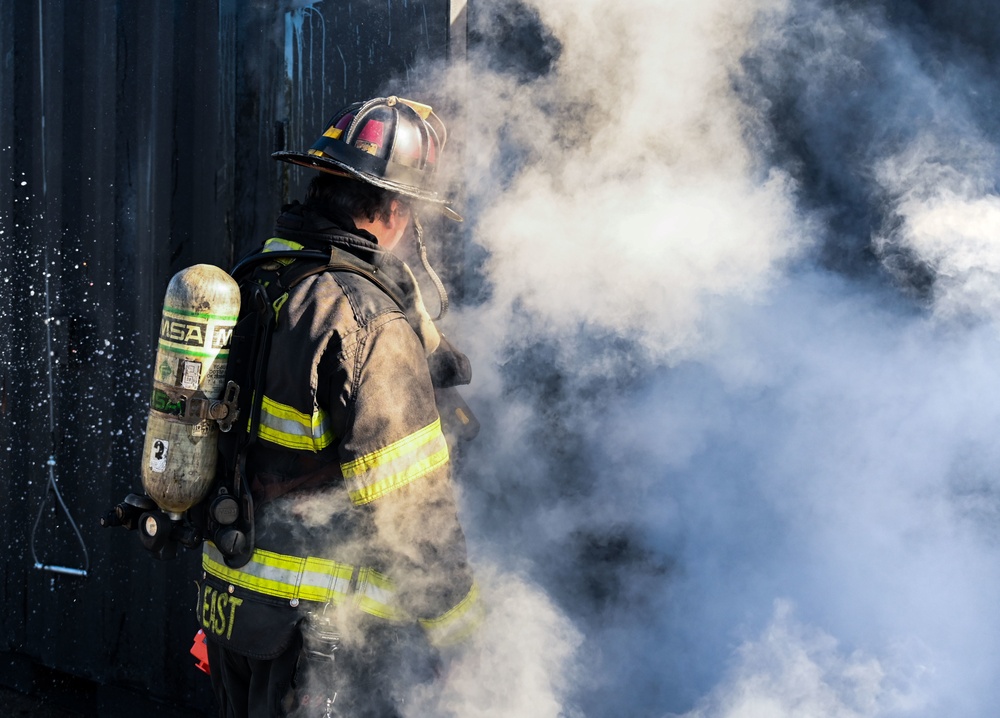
<point>287,426</point>
<point>458,623</point>
<point>277,244</point>
<point>380,472</point>
<point>282,424</point>
<point>307,579</point>
<point>376,594</point>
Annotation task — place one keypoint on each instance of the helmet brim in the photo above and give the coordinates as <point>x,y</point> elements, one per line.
<point>331,165</point>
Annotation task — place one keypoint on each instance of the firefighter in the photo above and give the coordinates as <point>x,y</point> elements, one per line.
<point>358,579</point>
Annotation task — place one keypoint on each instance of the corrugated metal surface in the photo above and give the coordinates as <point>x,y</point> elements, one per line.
<point>134,141</point>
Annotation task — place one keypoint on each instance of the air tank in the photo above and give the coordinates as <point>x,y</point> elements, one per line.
<point>200,309</point>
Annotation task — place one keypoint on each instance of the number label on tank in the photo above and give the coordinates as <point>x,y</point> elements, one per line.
<point>158,456</point>
<point>190,374</point>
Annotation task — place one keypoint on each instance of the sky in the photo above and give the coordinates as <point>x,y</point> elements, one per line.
<point>733,320</point>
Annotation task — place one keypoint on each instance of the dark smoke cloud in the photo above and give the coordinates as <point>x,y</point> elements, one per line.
<point>887,123</point>
<point>734,349</point>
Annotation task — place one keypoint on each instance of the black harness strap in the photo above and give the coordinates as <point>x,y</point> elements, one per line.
<point>335,261</point>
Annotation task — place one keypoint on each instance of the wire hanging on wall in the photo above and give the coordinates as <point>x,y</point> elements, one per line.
<point>52,485</point>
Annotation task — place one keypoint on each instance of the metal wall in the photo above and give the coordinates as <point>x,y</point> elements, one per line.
<point>134,141</point>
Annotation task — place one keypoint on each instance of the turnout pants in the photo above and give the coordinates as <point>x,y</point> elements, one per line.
<point>367,682</point>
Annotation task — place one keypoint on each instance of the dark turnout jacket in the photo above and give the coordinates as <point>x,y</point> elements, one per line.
<point>351,473</point>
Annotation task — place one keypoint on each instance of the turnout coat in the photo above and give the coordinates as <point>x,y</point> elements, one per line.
<point>351,472</point>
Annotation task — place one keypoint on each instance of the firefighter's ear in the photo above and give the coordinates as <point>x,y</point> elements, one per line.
<point>399,212</point>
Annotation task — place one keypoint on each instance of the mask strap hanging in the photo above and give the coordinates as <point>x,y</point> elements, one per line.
<point>442,292</point>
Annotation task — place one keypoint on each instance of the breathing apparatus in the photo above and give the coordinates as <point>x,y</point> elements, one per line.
<point>191,402</point>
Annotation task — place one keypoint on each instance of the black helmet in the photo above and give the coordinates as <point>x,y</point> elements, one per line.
<point>389,142</point>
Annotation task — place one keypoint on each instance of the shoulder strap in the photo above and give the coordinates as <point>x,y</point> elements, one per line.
<point>337,260</point>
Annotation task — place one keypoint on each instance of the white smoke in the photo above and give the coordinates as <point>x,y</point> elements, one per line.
<point>640,198</point>
<point>519,662</point>
<point>687,420</point>
<point>840,458</point>
<point>951,219</point>
<point>792,670</point>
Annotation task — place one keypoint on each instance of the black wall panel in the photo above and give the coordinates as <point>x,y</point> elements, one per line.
<point>134,141</point>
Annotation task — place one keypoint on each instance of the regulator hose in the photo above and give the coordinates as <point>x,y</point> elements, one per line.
<point>442,292</point>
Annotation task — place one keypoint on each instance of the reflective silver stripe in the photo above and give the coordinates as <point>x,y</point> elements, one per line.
<point>392,467</point>
<point>277,244</point>
<point>287,426</point>
<point>306,578</point>
<point>378,594</point>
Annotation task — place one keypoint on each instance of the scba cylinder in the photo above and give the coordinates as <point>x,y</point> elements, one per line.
<point>200,309</point>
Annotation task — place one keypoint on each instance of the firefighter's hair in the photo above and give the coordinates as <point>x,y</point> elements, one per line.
<point>358,200</point>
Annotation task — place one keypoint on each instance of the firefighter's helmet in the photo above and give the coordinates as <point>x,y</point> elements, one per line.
<point>389,142</point>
